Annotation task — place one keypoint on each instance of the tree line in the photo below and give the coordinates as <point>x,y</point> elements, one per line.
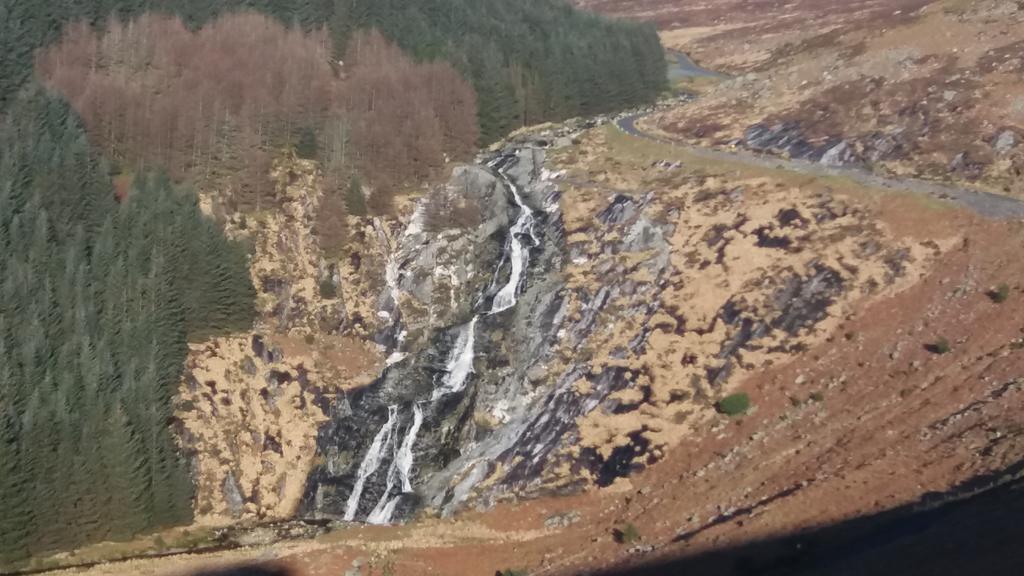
<point>101,291</point>
<point>216,105</point>
<point>97,301</point>
<point>529,61</point>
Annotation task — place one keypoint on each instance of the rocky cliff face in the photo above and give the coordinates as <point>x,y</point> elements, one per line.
<point>549,320</point>
<point>249,406</point>
<point>638,303</point>
<point>451,288</point>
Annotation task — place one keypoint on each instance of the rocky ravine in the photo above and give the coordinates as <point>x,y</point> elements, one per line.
<point>573,323</point>
<point>248,404</point>
<point>656,284</point>
<point>597,367</point>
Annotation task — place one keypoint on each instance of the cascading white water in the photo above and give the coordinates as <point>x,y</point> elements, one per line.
<point>401,467</point>
<point>520,254</point>
<point>460,362</point>
<point>458,368</point>
<point>405,455</point>
<point>371,462</point>
<point>382,514</point>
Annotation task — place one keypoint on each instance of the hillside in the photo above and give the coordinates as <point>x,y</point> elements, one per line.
<point>927,91</point>
<point>769,324</point>
<point>856,414</point>
<point>200,205</point>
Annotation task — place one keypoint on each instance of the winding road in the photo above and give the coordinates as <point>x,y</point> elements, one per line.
<point>985,204</point>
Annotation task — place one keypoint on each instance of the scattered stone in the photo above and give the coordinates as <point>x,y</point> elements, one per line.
<point>262,536</point>
<point>536,373</point>
<point>641,549</point>
<point>959,162</point>
<point>1006,141</point>
<point>233,495</point>
<point>356,569</point>
<point>562,520</point>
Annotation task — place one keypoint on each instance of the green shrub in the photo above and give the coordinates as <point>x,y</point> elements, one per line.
<point>512,572</point>
<point>817,397</point>
<point>626,534</point>
<point>940,346</point>
<point>307,146</point>
<point>327,289</point>
<point>355,198</point>
<point>1000,293</point>
<point>734,404</point>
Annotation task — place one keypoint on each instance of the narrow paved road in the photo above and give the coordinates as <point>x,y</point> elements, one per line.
<point>680,66</point>
<point>983,203</point>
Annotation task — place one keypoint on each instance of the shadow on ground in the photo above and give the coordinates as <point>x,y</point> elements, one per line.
<point>248,570</point>
<point>977,529</point>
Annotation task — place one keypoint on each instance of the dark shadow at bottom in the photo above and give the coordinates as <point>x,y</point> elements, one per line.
<point>976,529</point>
<point>248,570</point>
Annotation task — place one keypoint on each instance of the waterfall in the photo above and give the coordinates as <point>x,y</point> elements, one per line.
<point>371,462</point>
<point>382,514</point>
<point>520,254</point>
<point>459,366</point>
<point>405,455</point>
<point>401,466</point>
<point>460,362</point>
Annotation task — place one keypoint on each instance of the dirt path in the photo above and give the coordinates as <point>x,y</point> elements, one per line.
<point>982,203</point>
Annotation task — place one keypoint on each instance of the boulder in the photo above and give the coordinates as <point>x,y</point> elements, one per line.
<point>232,493</point>
<point>839,155</point>
<point>1006,141</point>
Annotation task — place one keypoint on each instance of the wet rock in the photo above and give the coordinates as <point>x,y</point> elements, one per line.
<point>442,277</point>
